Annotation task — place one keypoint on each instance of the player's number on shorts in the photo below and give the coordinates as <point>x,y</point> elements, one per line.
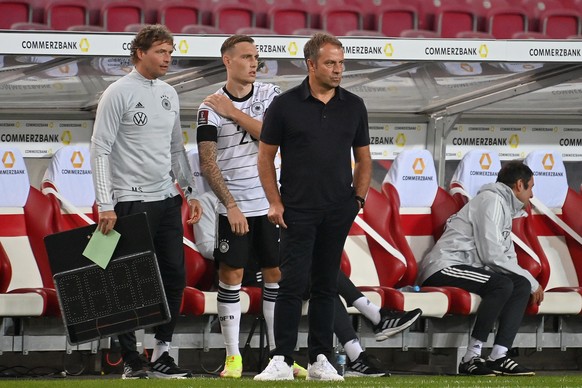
<point>246,137</point>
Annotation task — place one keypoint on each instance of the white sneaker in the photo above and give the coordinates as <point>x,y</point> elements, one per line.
<point>276,370</point>
<point>322,370</point>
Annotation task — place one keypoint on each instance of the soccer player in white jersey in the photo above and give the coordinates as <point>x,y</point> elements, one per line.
<point>229,124</point>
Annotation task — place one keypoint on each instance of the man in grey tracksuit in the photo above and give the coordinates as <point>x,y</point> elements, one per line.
<point>137,151</point>
<point>476,253</point>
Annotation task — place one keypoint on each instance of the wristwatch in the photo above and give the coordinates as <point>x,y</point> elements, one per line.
<point>361,200</point>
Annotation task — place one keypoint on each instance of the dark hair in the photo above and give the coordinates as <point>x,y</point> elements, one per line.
<point>311,48</point>
<point>234,39</point>
<point>147,36</point>
<point>513,171</point>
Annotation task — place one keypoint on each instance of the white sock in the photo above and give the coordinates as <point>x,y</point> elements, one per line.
<point>368,309</point>
<point>353,349</point>
<point>473,350</point>
<point>498,352</point>
<point>159,348</point>
<point>228,305</point>
<point>270,291</point>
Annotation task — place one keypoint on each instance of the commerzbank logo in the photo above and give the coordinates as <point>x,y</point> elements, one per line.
<point>514,141</point>
<point>400,140</point>
<point>66,137</point>
<point>292,48</point>
<point>77,159</point>
<point>418,166</point>
<point>483,51</point>
<point>485,161</point>
<point>388,50</point>
<point>183,46</point>
<point>84,45</point>
<point>548,161</point>
<point>8,159</point>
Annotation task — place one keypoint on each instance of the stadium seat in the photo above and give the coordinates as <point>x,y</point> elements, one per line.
<point>392,19</point>
<point>367,33</point>
<point>68,183</point>
<point>116,14</point>
<point>255,31</point>
<point>30,26</point>
<point>178,13</point>
<point>474,35</point>
<point>86,28</point>
<point>229,16</point>
<point>15,11</point>
<point>378,271</point>
<point>26,285</point>
<point>422,209</point>
<point>61,14</point>
<point>428,34</point>
<point>198,29</point>
<point>529,35</point>
<point>338,19</point>
<point>285,18</point>
<point>562,244</point>
<point>134,27</point>
<point>503,22</point>
<point>552,18</point>
<point>452,19</point>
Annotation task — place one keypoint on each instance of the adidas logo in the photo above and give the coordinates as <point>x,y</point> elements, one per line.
<point>139,105</point>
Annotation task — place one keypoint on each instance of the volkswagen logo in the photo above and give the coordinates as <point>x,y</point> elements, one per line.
<point>140,119</point>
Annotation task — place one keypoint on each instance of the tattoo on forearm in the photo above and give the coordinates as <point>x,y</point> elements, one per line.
<point>208,152</point>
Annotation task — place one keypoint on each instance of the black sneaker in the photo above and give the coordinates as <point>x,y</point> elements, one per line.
<point>165,368</point>
<point>475,367</point>
<point>365,366</point>
<point>134,369</point>
<point>507,367</point>
<point>393,322</point>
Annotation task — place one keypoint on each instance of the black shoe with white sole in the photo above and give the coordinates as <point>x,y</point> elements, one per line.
<point>475,367</point>
<point>507,367</point>
<point>393,322</point>
<point>365,366</point>
<point>165,368</point>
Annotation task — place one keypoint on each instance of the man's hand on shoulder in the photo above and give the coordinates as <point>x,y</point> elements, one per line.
<point>221,105</point>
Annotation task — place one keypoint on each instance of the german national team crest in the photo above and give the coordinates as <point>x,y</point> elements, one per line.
<point>166,103</point>
<point>258,108</point>
<point>223,246</point>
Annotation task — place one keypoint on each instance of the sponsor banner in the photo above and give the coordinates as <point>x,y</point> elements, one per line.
<point>515,140</point>
<point>42,138</point>
<point>389,139</point>
<point>532,50</point>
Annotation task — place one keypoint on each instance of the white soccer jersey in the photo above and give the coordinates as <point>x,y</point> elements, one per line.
<point>237,151</point>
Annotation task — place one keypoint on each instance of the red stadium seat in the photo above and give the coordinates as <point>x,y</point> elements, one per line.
<point>392,19</point>
<point>429,34</point>
<point>451,19</point>
<point>474,35</point>
<point>26,285</point>
<point>503,22</point>
<point>15,11</point>
<point>116,14</point>
<point>337,19</point>
<point>560,23</point>
<point>30,26</point>
<point>61,14</point>
<point>285,18</point>
<point>178,13</point>
<point>86,28</point>
<point>529,35</point>
<point>229,16</point>
<point>368,33</point>
<point>200,29</point>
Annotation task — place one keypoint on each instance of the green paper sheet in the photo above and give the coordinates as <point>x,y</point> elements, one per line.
<point>100,247</point>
